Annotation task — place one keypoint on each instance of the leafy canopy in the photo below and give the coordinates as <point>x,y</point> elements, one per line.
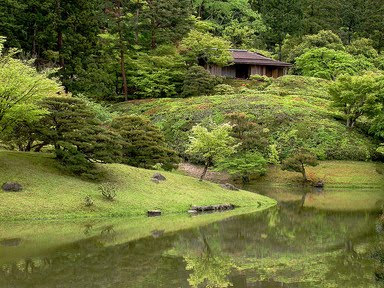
<point>329,64</point>
<point>21,88</point>
<point>202,46</point>
<point>212,146</point>
<point>356,95</point>
<point>244,165</point>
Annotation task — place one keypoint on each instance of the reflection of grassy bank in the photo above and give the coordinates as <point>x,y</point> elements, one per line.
<point>40,237</point>
<point>49,193</point>
<point>349,186</point>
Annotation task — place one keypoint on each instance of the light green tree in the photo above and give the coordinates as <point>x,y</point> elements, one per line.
<point>211,146</point>
<point>21,87</point>
<point>329,64</point>
<point>244,165</point>
<point>356,95</point>
<point>202,46</point>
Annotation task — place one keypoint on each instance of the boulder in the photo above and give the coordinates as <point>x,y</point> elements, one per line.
<point>153,213</point>
<point>10,242</point>
<point>319,184</point>
<point>158,177</point>
<point>157,233</point>
<point>229,186</point>
<point>12,187</point>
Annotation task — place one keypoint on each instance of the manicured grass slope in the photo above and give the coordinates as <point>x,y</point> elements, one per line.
<point>49,193</point>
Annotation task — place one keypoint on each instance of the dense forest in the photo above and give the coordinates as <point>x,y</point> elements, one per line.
<point>105,53</point>
<point>111,50</point>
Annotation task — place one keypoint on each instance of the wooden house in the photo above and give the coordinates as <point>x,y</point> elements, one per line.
<point>246,63</point>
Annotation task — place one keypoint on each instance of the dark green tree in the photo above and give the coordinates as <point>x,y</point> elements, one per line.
<point>78,138</point>
<point>143,143</point>
<point>282,17</point>
<point>298,161</point>
<point>199,81</point>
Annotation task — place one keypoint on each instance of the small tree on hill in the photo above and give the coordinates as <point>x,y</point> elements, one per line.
<point>211,146</point>
<point>143,143</point>
<point>244,165</point>
<point>299,161</point>
<point>199,81</point>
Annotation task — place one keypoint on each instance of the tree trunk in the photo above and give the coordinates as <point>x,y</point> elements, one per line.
<point>123,75</point>
<point>122,57</point>
<point>204,171</point>
<point>59,33</point>
<point>304,172</point>
<point>137,26</point>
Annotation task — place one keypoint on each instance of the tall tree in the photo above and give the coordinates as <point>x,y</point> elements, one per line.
<point>282,17</point>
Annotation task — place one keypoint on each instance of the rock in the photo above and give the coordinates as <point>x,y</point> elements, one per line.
<point>155,181</point>
<point>229,186</point>
<point>319,184</point>
<point>159,177</point>
<point>192,211</point>
<point>12,187</point>
<point>152,213</point>
<point>10,242</point>
<point>157,233</point>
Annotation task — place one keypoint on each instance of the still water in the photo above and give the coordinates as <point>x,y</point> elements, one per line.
<point>285,246</point>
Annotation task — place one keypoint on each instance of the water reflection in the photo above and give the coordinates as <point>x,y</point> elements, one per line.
<point>281,247</point>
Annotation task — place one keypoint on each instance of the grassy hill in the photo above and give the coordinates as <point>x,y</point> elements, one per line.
<point>291,109</point>
<point>48,193</point>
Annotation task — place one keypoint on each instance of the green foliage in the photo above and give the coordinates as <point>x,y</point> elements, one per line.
<point>200,46</point>
<point>143,144</point>
<point>158,74</point>
<point>244,165</point>
<point>211,146</point>
<point>21,88</point>
<point>293,112</point>
<point>362,47</point>
<point>79,139</point>
<point>223,89</point>
<point>294,47</point>
<point>329,64</point>
<point>298,161</point>
<point>357,95</point>
<point>108,191</point>
<point>199,81</point>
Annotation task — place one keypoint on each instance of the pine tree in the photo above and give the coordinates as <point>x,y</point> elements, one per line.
<point>79,139</point>
<point>143,143</point>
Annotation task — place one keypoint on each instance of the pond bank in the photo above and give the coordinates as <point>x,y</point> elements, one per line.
<point>349,185</point>
<point>48,193</point>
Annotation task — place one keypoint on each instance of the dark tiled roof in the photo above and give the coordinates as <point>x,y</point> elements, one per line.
<point>247,57</point>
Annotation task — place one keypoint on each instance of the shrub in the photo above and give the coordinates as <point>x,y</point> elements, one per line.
<point>143,144</point>
<point>244,165</point>
<point>88,201</point>
<point>223,89</point>
<point>108,191</point>
<point>199,81</point>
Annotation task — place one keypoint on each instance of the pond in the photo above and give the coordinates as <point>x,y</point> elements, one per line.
<point>286,246</point>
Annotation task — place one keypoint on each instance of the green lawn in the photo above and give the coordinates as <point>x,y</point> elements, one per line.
<point>49,193</point>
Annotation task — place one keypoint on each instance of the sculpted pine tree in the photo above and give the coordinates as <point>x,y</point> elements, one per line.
<point>78,137</point>
<point>143,143</point>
